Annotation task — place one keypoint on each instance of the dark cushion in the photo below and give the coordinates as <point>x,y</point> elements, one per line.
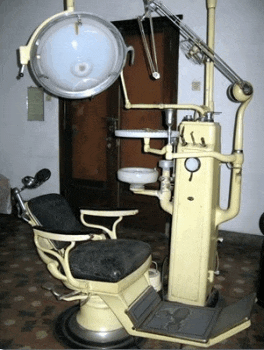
<point>55,214</point>
<point>109,260</point>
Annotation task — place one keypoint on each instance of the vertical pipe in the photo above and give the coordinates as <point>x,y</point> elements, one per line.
<point>209,65</point>
<point>70,5</point>
<point>238,138</point>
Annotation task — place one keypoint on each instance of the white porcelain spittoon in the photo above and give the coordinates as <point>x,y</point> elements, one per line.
<point>137,177</point>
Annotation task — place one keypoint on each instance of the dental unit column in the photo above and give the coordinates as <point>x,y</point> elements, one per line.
<point>196,199</point>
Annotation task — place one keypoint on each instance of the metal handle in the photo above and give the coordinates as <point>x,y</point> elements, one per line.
<point>153,63</point>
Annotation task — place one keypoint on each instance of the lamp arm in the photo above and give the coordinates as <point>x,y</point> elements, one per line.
<point>70,5</point>
<point>199,44</point>
<point>202,110</point>
<point>24,51</point>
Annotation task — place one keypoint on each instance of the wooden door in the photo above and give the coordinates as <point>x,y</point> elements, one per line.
<point>88,150</point>
<point>91,154</point>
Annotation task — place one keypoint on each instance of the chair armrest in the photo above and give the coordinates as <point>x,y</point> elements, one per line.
<point>119,213</point>
<point>59,236</point>
<point>109,212</point>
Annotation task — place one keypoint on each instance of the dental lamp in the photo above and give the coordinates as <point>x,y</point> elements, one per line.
<point>74,54</point>
<point>78,55</point>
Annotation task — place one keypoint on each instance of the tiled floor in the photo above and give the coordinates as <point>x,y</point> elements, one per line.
<point>28,312</point>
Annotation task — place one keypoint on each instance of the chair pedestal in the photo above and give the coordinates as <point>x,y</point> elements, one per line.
<point>93,326</point>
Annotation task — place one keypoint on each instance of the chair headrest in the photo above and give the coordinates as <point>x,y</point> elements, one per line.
<point>54,212</point>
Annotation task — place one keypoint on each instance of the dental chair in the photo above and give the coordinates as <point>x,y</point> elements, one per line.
<point>118,306</point>
<point>91,262</point>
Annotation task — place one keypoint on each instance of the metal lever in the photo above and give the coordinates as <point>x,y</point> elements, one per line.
<point>21,71</point>
<point>59,296</point>
<point>169,120</point>
<point>153,63</point>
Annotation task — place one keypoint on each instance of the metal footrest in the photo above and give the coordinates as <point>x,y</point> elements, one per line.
<point>150,314</point>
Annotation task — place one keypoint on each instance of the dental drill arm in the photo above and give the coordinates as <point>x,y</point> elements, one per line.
<point>238,91</point>
<point>204,50</point>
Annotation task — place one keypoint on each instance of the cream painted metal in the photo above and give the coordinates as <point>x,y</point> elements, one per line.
<point>24,51</point>
<point>195,207</point>
<point>194,235</point>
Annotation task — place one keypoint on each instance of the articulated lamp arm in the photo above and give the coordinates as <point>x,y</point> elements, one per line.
<point>24,51</point>
<point>240,90</point>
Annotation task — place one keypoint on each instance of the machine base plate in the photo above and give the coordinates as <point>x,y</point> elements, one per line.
<point>193,323</point>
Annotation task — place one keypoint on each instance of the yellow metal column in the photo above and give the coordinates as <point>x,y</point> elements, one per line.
<point>194,232</point>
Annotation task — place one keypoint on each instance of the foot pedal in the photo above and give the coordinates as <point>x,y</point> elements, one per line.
<point>59,296</point>
<point>194,323</point>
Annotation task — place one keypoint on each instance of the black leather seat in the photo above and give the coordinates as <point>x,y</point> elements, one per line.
<point>107,260</point>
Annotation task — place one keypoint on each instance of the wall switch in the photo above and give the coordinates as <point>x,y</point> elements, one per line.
<point>196,86</point>
<point>35,104</point>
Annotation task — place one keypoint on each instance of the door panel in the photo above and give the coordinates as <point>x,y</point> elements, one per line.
<point>89,141</point>
<point>88,158</point>
<point>91,154</point>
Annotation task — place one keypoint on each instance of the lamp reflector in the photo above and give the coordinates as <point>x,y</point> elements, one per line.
<point>77,55</point>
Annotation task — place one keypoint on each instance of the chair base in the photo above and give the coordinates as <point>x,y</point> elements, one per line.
<point>70,333</point>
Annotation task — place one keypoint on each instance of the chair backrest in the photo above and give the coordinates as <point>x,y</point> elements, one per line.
<point>54,213</point>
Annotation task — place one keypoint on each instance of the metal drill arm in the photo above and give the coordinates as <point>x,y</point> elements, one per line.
<point>199,46</point>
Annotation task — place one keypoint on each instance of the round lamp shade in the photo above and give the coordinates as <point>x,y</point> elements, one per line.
<point>77,55</point>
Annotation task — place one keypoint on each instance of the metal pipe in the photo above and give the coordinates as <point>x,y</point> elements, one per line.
<point>234,193</point>
<point>164,197</point>
<point>70,5</point>
<point>189,35</point>
<point>202,110</point>
<point>239,126</point>
<point>209,65</point>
